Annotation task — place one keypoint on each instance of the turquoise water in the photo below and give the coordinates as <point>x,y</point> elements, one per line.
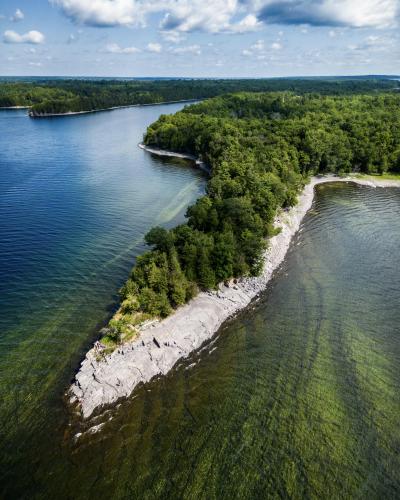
<point>297,397</point>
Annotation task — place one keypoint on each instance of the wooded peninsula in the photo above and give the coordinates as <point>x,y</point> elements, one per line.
<point>261,139</point>
<point>261,149</point>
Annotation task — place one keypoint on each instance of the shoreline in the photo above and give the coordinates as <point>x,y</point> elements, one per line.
<point>163,152</point>
<point>72,113</point>
<point>161,344</point>
<point>14,107</point>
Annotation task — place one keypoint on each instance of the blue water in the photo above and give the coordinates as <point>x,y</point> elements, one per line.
<point>297,397</point>
<point>76,197</point>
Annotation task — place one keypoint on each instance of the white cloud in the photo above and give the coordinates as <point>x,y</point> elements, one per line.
<point>199,15</point>
<point>18,16</point>
<point>190,49</point>
<point>154,47</point>
<point>260,51</point>
<point>355,13</point>
<point>259,45</point>
<point>368,13</point>
<point>374,44</point>
<point>36,64</point>
<point>33,36</point>
<point>173,36</point>
<point>248,23</point>
<point>178,15</point>
<point>102,12</point>
<point>114,48</point>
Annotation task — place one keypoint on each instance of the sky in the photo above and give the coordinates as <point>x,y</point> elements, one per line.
<point>199,38</point>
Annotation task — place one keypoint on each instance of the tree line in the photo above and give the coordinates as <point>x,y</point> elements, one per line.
<point>57,96</point>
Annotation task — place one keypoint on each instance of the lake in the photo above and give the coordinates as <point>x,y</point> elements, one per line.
<point>76,197</point>
<point>296,397</point>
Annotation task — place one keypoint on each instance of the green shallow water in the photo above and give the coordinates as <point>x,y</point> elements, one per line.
<point>297,397</point>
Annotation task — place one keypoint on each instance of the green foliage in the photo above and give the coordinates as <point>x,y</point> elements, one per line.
<point>154,303</point>
<point>160,238</point>
<point>157,283</point>
<point>116,329</point>
<point>261,148</point>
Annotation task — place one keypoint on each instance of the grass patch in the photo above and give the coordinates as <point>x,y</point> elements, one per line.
<point>122,328</point>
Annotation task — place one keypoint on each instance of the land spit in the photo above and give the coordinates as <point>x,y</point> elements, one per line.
<point>102,381</point>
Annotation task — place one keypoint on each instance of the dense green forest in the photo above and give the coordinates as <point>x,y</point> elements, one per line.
<point>69,95</point>
<point>261,148</point>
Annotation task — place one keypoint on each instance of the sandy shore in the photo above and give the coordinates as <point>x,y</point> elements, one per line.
<point>163,343</point>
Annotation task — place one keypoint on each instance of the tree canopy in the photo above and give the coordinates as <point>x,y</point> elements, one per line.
<point>261,148</point>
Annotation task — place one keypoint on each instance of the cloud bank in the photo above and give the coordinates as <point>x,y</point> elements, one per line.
<point>236,16</point>
<point>353,13</point>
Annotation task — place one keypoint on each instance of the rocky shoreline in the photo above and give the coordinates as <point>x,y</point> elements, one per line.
<point>162,344</point>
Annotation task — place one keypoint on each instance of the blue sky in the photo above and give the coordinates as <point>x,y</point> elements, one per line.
<point>210,38</point>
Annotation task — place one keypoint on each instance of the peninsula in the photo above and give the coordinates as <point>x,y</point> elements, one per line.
<point>262,150</point>
<point>103,380</point>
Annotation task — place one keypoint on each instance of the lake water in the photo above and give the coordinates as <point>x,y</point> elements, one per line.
<point>297,397</point>
<point>76,197</point>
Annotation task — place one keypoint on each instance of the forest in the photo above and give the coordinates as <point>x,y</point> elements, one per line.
<point>58,96</point>
<point>261,148</point>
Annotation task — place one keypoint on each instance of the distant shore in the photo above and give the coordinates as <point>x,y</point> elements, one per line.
<point>71,113</point>
<point>161,344</point>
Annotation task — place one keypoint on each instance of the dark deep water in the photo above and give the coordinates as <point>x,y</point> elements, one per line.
<point>298,397</point>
